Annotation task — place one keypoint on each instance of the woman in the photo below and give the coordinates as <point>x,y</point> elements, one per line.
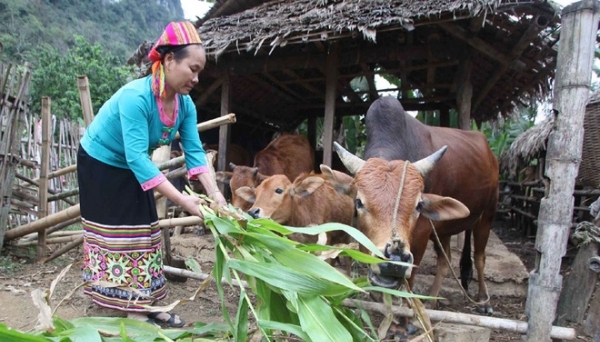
<point>122,241</point>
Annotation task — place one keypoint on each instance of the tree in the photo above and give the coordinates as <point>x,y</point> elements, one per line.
<point>56,76</point>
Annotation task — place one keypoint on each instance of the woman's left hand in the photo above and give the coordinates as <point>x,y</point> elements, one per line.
<point>217,196</point>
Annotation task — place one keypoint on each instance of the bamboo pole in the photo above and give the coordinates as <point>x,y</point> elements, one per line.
<point>85,99</point>
<point>67,214</point>
<point>10,171</point>
<point>203,126</point>
<point>461,318</point>
<point>56,240</point>
<point>64,249</point>
<point>44,167</point>
<point>198,276</point>
<point>571,92</point>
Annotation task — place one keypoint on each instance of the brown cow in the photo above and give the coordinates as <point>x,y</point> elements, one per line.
<point>288,154</point>
<point>468,174</point>
<point>309,200</point>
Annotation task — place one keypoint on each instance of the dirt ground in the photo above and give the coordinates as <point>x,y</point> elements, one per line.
<point>19,275</point>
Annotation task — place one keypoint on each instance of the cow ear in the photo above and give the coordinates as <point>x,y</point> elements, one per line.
<point>440,208</point>
<point>246,193</point>
<point>223,176</point>
<point>308,186</point>
<point>342,183</point>
<point>260,178</point>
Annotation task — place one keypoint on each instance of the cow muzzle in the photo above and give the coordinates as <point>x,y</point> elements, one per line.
<point>388,274</point>
<point>255,213</point>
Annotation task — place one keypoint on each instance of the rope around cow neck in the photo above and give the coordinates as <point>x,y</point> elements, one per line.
<point>395,237</point>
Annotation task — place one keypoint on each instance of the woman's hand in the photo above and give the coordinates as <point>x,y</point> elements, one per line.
<point>219,199</point>
<point>191,203</point>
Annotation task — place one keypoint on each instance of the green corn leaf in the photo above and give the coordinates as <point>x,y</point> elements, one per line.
<point>83,333</point>
<point>124,337</point>
<point>61,325</point>
<point>293,329</point>
<point>327,227</point>
<point>210,329</point>
<point>224,226</point>
<point>288,279</point>
<point>319,322</point>
<point>353,324</point>
<point>11,335</point>
<point>241,331</point>
<point>193,265</point>
<point>112,325</point>
<point>299,260</point>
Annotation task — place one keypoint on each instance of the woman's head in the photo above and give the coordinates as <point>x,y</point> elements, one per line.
<point>182,64</point>
<point>177,59</point>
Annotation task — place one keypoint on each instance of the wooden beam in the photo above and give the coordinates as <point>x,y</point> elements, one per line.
<point>85,99</point>
<point>304,84</point>
<point>537,24</point>
<point>373,95</point>
<point>477,43</point>
<point>443,64</point>
<point>278,92</point>
<point>445,117</point>
<point>369,53</point>
<point>464,89</point>
<point>225,130</point>
<point>330,96</point>
<point>284,87</point>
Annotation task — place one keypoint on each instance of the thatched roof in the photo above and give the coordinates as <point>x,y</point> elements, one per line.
<point>526,147</point>
<point>275,54</point>
<point>532,144</point>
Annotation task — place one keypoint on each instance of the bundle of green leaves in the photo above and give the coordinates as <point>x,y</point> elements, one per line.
<point>297,295</point>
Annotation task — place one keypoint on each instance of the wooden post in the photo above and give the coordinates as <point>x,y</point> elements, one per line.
<point>331,81</point>
<point>579,286</point>
<point>44,166</point>
<point>464,94</point>
<point>224,131</point>
<point>85,99</point>
<point>571,91</point>
<point>445,117</point>
<point>9,145</point>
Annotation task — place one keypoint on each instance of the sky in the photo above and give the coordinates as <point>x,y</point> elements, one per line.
<point>195,8</point>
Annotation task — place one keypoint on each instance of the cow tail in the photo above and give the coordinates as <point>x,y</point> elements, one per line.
<point>466,263</point>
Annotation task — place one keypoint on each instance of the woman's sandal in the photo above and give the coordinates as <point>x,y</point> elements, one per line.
<point>170,322</point>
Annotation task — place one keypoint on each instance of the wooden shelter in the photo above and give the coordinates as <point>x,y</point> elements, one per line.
<point>278,63</point>
<point>523,163</point>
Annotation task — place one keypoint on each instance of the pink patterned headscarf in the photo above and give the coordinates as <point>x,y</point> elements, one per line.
<point>176,33</point>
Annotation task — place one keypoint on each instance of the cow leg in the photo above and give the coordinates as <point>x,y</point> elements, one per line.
<point>441,271</point>
<point>480,239</point>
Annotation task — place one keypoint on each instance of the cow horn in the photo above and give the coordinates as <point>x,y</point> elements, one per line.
<point>426,164</point>
<point>351,162</point>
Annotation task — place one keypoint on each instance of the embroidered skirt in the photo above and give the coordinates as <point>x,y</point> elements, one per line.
<point>121,239</point>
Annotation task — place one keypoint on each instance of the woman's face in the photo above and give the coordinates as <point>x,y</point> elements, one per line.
<point>181,76</point>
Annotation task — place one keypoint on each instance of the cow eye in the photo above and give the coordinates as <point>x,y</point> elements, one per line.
<point>279,191</point>
<point>419,206</point>
<point>358,204</point>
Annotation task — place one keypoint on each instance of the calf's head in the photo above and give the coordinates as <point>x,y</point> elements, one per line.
<point>389,199</point>
<point>273,198</point>
<point>240,176</point>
